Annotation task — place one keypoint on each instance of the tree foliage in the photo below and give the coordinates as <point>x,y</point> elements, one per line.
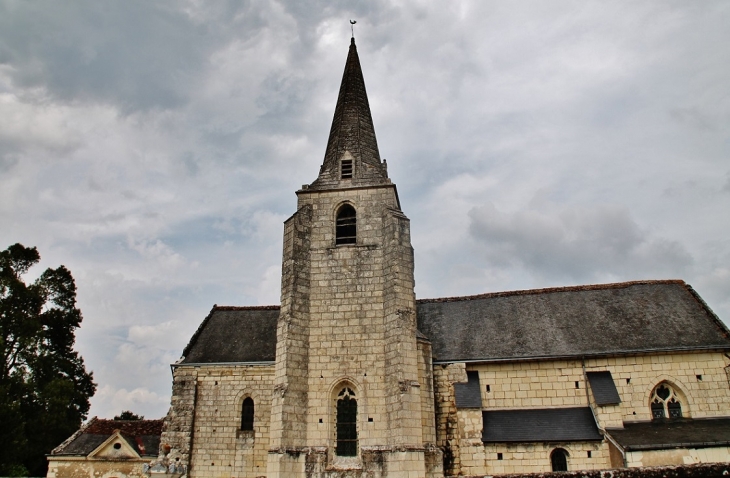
<point>128,415</point>
<point>44,386</point>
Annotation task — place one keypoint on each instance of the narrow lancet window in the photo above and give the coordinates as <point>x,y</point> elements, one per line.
<point>247,414</point>
<point>346,423</point>
<point>346,169</point>
<point>346,227</point>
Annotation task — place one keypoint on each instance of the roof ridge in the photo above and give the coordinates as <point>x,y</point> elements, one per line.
<point>548,290</point>
<point>246,307</point>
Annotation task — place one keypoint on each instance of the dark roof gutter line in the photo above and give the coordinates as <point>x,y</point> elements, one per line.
<point>262,363</point>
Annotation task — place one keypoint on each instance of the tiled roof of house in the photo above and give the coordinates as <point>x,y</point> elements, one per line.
<point>595,320</point>
<point>676,433</point>
<point>142,435</point>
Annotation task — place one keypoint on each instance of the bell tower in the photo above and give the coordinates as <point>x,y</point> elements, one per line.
<point>350,391</point>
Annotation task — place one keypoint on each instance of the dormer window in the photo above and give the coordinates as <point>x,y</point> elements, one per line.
<point>346,226</point>
<point>346,169</point>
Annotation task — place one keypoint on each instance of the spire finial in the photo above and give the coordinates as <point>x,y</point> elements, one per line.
<point>352,28</point>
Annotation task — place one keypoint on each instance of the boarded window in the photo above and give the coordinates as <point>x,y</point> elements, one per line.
<point>346,227</point>
<point>247,414</point>
<point>346,423</point>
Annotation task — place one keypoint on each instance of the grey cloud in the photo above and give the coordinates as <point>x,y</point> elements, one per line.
<point>575,243</point>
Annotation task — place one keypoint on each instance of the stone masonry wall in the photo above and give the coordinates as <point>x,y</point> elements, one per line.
<point>700,379</point>
<point>220,447</point>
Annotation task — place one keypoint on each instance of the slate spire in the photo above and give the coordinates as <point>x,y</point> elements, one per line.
<point>352,135</point>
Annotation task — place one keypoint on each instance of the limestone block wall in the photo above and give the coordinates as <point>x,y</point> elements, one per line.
<point>81,467</point>
<point>681,456</point>
<point>535,457</point>
<point>699,377</point>
<point>447,422</point>
<point>219,447</point>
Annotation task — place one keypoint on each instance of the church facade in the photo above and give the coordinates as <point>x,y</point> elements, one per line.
<point>352,376</point>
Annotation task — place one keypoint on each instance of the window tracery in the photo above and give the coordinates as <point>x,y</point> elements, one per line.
<point>665,402</point>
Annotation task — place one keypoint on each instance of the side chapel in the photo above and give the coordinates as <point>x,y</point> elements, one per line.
<point>352,376</point>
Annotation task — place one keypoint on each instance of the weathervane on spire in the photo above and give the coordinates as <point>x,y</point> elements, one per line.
<point>352,27</point>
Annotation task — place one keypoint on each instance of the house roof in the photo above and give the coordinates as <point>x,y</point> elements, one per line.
<point>606,319</point>
<point>142,435</point>
<point>594,320</point>
<point>539,425</point>
<point>677,433</point>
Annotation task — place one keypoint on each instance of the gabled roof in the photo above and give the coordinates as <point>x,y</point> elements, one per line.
<point>234,334</point>
<point>143,436</point>
<point>539,425</point>
<point>675,433</point>
<point>352,132</point>
<point>595,320</point>
<point>606,319</point>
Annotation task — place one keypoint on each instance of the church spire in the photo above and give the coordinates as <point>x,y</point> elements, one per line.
<point>352,135</point>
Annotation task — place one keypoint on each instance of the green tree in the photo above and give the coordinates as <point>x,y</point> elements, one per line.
<point>44,387</point>
<point>128,415</point>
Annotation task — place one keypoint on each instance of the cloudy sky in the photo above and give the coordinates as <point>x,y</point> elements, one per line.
<point>154,149</point>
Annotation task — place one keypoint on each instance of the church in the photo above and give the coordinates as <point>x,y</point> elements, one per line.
<point>352,376</point>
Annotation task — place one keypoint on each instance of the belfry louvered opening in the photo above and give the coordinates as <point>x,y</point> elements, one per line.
<point>346,169</point>
<point>346,227</point>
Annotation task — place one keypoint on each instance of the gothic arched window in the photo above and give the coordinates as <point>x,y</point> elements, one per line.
<point>665,402</point>
<point>247,414</point>
<point>346,423</point>
<point>346,226</point>
<point>559,459</point>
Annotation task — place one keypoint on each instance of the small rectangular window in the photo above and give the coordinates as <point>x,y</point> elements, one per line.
<point>499,456</point>
<point>589,453</point>
<point>577,384</point>
<point>489,389</point>
<point>699,378</point>
<point>346,169</point>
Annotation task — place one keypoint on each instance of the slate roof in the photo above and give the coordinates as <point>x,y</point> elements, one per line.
<point>603,388</point>
<point>469,395</point>
<point>539,425</point>
<point>607,319</point>
<point>142,435</point>
<point>352,131</point>
<point>677,433</point>
<point>235,334</point>
<point>594,320</point>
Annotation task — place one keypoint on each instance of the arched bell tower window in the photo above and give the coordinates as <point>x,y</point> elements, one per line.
<point>247,410</point>
<point>346,226</point>
<point>665,402</point>
<point>559,459</point>
<point>346,423</point>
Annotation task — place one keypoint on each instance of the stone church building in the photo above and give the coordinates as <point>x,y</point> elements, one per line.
<point>352,376</point>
